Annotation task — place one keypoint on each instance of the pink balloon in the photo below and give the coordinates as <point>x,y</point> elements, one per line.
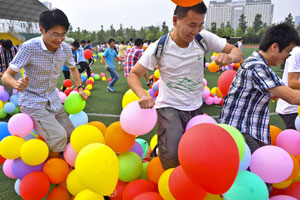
<point>213,57</point>
<point>1,88</point>
<point>289,140</point>
<point>204,82</point>
<point>272,164</point>
<point>209,100</point>
<point>137,121</point>
<point>217,100</point>
<point>20,124</point>
<point>7,168</point>
<point>70,155</point>
<point>282,197</point>
<point>102,74</point>
<point>205,93</point>
<point>232,65</point>
<point>62,96</point>
<point>199,119</point>
<point>206,64</point>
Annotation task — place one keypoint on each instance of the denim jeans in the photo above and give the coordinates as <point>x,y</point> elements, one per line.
<point>114,76</point>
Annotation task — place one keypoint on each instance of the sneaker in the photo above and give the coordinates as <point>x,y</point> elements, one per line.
<point>110,89</point>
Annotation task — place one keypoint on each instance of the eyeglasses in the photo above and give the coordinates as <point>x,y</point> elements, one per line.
<point>58,36</point>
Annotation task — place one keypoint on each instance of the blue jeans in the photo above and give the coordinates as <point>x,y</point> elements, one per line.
<point>114,76</point>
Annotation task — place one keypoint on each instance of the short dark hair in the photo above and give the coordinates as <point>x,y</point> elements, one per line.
<point>52,18</point>
<point>111,40</point>
<point>88,41</point>
<point>138,42</point>
<point>283,34</point>
<point>7,44</point>
<point>181,12</point>
<point>75,44</point>
<point>122,42</point>
<point>82,42</point>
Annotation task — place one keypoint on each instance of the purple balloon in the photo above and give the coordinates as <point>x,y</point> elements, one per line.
<point>21,169</point>
<point>152,93</point>
<point>138,149</point>
<point>4,96</point>
<point>199,119</point>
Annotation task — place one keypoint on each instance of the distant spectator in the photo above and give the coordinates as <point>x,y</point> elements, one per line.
<point>121,54</point>
<point>81,60</point>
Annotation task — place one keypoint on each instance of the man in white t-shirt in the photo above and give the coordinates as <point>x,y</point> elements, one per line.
<point>291,77</point>
<point>181,77</point>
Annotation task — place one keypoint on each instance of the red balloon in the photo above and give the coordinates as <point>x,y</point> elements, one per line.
<point>59,193</point>
<point>89,81</point>
<point>277,192</point>
<point>109,79</point>
<point>209,156</point>
<point>225,80</point>
<point>117,194</point>
<point>293,190</point>
<point>34,186</point>
<point>148,196</point>
<point>68,91</point>
<point>87,53</point>
<point>137,187</point>
<point>2,159</point>
<point>182,187</point>
<point>68,83</point>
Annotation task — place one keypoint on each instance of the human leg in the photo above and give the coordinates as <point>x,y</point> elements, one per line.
<point>289,120</point>
<point>114,77</point>
<point>82,67</point>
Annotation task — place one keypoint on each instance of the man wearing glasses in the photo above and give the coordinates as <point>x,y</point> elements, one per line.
<point>42,59</point>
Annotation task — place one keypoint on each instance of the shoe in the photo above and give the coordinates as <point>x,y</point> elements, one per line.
<point>110,89</point>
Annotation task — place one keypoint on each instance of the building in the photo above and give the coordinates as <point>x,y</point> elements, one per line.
<point>263,7</point>
<point>219,12</point>
<point>297,20</point>
<point>47,4</point>
<point>238,8</point>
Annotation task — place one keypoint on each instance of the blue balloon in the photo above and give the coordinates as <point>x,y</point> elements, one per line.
<point>144,145</point>
<point>29,137</point>
<point>244,164</point>
<point>83,78</point>
<point>4,130</point>
<point>17,186</point>
<point>14,99</point>
<point>78,119</point>
<point>9,107</point>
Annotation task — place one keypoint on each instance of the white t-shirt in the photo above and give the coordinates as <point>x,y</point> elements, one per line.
<point>181,71</point>
<point>292,65</point>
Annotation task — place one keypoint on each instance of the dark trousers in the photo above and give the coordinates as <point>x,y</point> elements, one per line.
<point>67,76</point>
<point>289,120</point>
<point>84,66</point>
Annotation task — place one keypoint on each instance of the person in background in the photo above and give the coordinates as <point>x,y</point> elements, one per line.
<point>84,66</point>
<point>121,54</point>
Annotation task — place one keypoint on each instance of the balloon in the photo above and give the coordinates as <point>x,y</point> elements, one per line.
<point>97,168</point>
<point>3,114</point>
<point>14,125</point>
<point>274,132</point>
<point>74,185</point>
<point>212,197</point>
<point>129,97</point>
<point>163,185</point>
<point>7,168</point>
<point>137,148</point>
<point>205,93</point>
<point>14,99</point>
<point>245,162</point>
<point>20,169</point>
<point>295,169</point>
<point>34,152</point>
<point>144,171</point>
<point>58,193</point>
<point>56,169</point>
<point>182,187</point>
<point>289,140</point>
<point>294,190</point>
<point>100,125</point>
<point>199,119</point>
<point>153,141</point>
<point>145,146</point>
<point>87,54</point>
<point>209,101</point>
<point>225,80</point>
<point>9,107</point>
<point>79,119</point>
<point>70,155</point>
<point>209,156</point>
<point>213,67</point>
<point>89,87</point>
<point>117,139</point>
<point>154,170</point>
<point>283,184</point>
<point>247,186</point>
<point>148,196</point>
<point>83,78</point>
<point>4,96</point>
<point>118,192</point>
<point>34,186</point>
<point>68,83</point>
<point>17,186</point>
<point>272,164</point>
<point>282,197</point>
<point>156,74</point>
<point>102,74</point>
<point>84,135</point>
<point>4,130</point>
<point>88,194</point>
<point>137,187</point>
<point>151,93</point>
<point>97,77</point>
<point>103,78</point>
<point>10,147</point>
<point>137,121</point>
<point>130,166</point>
<point>74,103</point>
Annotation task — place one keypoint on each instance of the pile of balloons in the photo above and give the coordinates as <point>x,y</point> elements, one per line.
<point>213,67</point>
<point>154,87</point>
<point>8,104</point>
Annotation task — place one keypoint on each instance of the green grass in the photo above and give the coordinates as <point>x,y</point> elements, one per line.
<point>103,102</point>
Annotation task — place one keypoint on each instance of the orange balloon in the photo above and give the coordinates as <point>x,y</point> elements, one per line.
<point>219,93</point>
<point>296,168</point>
<point>59,193</point>
<point>298,158</point>
<point>213,67</point>
<point>187,3</point>
<point>236,66</point>
<point>56,169</point>
<point>154,170</point>
<point>101,126</point>
<point>274,132</point>
<point>117,139</point>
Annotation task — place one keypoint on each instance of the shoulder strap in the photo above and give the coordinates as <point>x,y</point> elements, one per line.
<point>160,46</point>
<point>201,42</point>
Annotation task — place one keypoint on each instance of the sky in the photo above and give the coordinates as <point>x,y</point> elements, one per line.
<point>91,14</point>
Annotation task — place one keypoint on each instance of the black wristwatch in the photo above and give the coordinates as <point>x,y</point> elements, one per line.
<point>80,86</point>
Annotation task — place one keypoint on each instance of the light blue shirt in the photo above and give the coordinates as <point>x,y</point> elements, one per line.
<point>109,57</point>
<point>43,68</point>
<point>80,57</point>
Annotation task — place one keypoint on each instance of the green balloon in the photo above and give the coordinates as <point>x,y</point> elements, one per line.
<point>238,138</point>
<point>74,103</point>
<point>130,166</point>
<point>97,77</point>
<point>247,186</point>
<point>144,145</point>
<point>3,114</point>
<point>144,171</point>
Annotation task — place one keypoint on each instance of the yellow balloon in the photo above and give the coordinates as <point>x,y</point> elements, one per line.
<point>34,152</point>
<point>103,78</point>
<point>22,72</point>
<point>74,185</point>
<point>207,88</point>
<point>215,54</point>
<point>153,142</point>
<point>95,60</point>
<point>89,87</point>
<point>101,61</point>
<point>88,195</point>
<point>283,184</point>
<point>299,111</point>
<point>1,104</point>
<point>156,74</point>
<point>214,90</point>
<point>97,167</point>
<point>129,97</point>
<point>84,135</point>
<point>297,178</point>
<point>92,79</point>
<point>212,197</point>
<point>87,92</point>
<point>10,147</point>
<point>163,185</point>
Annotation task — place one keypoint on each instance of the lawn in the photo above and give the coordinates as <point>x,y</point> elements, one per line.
<point>103,106</point>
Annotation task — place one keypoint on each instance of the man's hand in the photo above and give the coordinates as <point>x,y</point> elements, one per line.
<point>146,102</point>
<point>21,84</point>
<point>1,74</point>
<point>82,93</point>
<point>223,59</point>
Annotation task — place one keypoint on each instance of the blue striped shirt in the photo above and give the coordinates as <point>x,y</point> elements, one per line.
<point>246,105</point>
<point>43,68</point>
<point>80,57</point>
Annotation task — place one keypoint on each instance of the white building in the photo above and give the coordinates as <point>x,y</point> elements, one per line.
<point>297,20</point>
<point>219,11</point>
<point>47,4</point>
<point>237,10</point>
<point>263,7</point>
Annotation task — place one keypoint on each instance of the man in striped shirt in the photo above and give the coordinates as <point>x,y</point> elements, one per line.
<point>246,105</point>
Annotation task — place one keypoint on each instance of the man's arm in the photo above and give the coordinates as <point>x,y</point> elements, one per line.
<point>135,84</point>
<point>293,80</point>
<point>287,94</point>
<point>76,76</point>
<point>103,58</point>
<point>9,80</point>
<point>230,54</point>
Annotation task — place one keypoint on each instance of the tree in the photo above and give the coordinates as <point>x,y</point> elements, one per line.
<point>289,19</point>
<point>243,23</point>
<point>298,27</point>
<point>220,32</point>
<point>257,24</point>
<point>239,32</point>
<point>150,36</point>
<point>165,28</point>
<point>213,27</point>
<point>222,26</point>
<point>101,36</point>
<point>261,32</point>
<point>142,34</point>
<point>250,35</point>
<point>120,32</point>
<point>228,32</point>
